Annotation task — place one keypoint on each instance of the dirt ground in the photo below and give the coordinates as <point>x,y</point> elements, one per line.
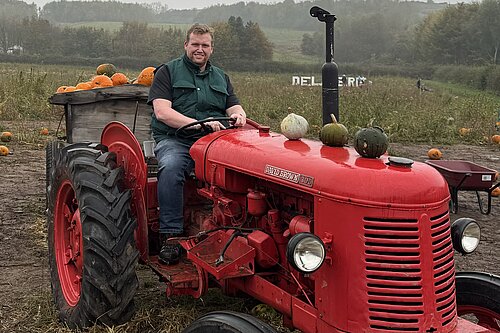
<point>23,260</point>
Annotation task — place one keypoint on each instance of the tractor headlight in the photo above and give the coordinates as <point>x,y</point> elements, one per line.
<point>305,252</point>
<point>465,235</point>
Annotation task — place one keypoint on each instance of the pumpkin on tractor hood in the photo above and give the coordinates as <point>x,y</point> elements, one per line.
<point>371,142</point>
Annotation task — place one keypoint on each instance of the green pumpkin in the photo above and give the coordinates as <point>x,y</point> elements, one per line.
<point>106,69</point>
<point>371,142</point>
<point>334,134</point>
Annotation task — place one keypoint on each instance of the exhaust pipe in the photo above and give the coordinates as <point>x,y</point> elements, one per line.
<point>330,70</point>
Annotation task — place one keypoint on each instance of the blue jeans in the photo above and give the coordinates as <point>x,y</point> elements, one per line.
<point>174,164</point>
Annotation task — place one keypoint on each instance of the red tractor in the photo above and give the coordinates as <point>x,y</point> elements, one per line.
<point>334,241</point>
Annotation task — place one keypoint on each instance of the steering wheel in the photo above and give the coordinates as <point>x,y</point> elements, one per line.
<point>186,132</point>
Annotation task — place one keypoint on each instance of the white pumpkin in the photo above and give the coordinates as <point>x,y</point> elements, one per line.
<point>294,126</point>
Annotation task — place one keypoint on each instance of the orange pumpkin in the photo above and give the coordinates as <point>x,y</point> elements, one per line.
<point>101,81</point>
<point>70,89</point>
<point>119,79</point>
<point>495,138</point>
<point>106,69</point>
<point>464,131</point>
<point>497,176</point>
<point>4,151</point>
<point>146,76</point>
<point>496,192</point>
<point>44,131</point>
<point>6,136</point>
<point>84,86</point>
<point>434,154</point>
<point>61,89</point>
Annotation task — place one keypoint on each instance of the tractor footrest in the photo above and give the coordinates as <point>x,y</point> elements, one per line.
<point>182,273</point>
<point>224,256</point>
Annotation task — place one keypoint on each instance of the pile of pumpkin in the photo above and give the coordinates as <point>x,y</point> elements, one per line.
<point>107,75</point>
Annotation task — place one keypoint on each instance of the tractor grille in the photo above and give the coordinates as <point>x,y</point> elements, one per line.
<point>395,272</point>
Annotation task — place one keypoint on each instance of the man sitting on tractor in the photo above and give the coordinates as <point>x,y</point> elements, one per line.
<point>185,90</point>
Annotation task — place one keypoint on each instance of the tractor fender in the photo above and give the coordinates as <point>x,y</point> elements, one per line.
<point>120,140</point>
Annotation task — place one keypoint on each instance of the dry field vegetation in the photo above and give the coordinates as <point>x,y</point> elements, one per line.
<point>408,116</point>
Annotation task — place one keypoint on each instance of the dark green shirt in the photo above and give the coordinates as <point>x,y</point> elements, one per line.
<point>195,94</point>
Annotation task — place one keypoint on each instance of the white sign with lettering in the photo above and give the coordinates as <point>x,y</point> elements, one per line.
<point>348,81</point>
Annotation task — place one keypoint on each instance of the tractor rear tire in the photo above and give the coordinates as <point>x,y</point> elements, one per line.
<point>228,322</point>
<point>478,295</point>
<point>92,251</point>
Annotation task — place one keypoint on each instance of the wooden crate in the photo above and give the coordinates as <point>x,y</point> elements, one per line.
<point>88,111</point>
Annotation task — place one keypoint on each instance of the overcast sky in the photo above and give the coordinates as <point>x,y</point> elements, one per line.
<point>187,4</point>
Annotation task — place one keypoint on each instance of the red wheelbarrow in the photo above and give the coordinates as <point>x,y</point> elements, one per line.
<point>466,176</point>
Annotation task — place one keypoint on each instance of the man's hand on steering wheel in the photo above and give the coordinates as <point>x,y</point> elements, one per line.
<point>240,119</point>
<point>214,125</point>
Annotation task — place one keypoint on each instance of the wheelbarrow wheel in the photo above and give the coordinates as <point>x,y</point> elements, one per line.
<point>478,298</point>
<point>228,322</point>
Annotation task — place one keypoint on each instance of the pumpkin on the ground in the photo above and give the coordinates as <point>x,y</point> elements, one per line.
<point>495,138</point>
<point>434,154</point>
<point>4,151</point>
<point>334,134</point>
<point>464,131</point>
<point>371,142</point>
<point>44,131</point>
<point>106,69</point>
<point>101,81</point>
<point>119,79</point>
<point>496,192</point>
<point>294,126</point>
<point>146,76</point>
<point>6,136</point>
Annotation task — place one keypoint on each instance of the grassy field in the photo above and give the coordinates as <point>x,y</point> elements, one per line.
<point>393,103</point>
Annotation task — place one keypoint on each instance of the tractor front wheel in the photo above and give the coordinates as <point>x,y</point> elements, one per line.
<point>92,252</point>
<point>228,322</point>
<point>478,298</point>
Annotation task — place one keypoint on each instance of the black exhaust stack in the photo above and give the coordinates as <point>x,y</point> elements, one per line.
<point>330,70</point>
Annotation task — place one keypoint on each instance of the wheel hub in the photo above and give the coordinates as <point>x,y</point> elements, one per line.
<point>68,243</point>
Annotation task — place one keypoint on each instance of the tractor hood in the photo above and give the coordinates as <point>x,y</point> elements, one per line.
<point>307,165</point>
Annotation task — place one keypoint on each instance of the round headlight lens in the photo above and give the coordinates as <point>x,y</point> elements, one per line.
<point>470,237</point>
<point>306,252</point>
<point>465,234</point>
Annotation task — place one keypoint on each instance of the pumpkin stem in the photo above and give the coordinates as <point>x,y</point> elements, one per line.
<point>334,120</point>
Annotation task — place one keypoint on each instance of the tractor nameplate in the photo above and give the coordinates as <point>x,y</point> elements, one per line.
<point>293,177</point>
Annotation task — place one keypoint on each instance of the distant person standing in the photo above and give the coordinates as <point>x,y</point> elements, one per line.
<point>419,84</point>
<point>344,80</point>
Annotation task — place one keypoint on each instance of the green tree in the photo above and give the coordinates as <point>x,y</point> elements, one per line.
<point>255,45</point>
<point>488,23</point>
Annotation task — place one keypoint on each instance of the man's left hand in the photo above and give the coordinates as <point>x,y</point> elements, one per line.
<point>241,119</point>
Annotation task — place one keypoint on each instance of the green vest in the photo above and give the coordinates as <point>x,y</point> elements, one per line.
<point>195,95</point>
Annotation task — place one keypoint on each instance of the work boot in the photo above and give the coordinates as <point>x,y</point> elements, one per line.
<point>170,250</point>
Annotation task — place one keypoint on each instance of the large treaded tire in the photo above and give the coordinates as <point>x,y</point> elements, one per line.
<point>478,294</point>
<point>92,251</point>
<point>228,322</point>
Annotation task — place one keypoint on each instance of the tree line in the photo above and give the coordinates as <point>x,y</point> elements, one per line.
<point>462,34</point>
<point>366,31</point>
<point>135,40</point>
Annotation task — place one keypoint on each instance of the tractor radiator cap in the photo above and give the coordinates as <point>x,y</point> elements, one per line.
<point>400,162</point>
